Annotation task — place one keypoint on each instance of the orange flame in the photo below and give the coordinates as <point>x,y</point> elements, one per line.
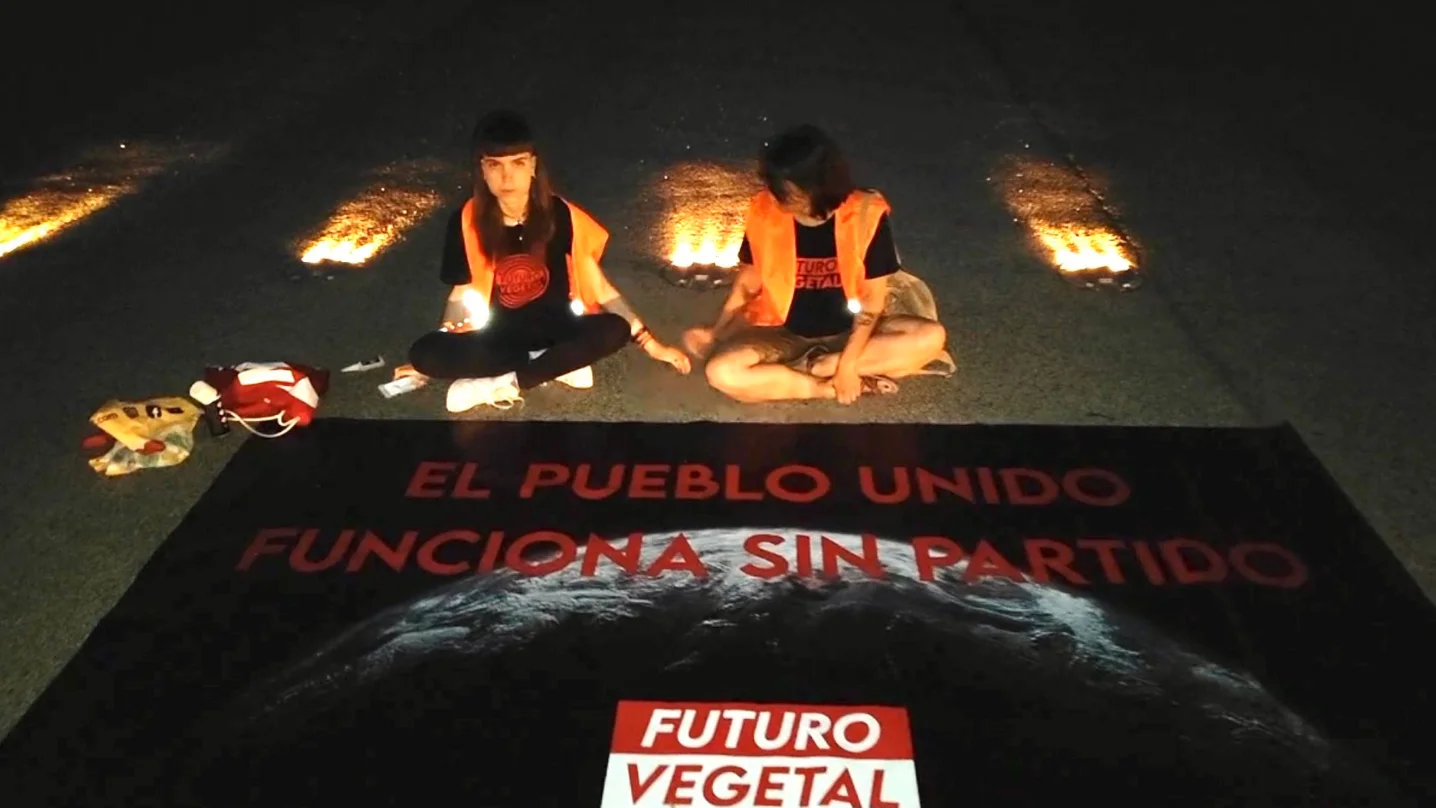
<point>43,213</point>
<point>703,218</point>
<point>61,200</point>
<point>1077,249</point>
<point>1064,216</point>
<point>363,226</point>
<point>707,249</point>
<point>375,219</point>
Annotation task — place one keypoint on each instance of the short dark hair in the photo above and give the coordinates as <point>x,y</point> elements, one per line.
<point>501,133</point>
<point>811,160</point>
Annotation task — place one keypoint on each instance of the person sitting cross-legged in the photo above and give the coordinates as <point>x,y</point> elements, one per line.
<point>810,314</point>
<point>529,302</point>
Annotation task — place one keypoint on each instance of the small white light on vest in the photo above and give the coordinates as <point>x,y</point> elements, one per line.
<point>477,309</point>
<point>854,305</point>
<point>576,306</point>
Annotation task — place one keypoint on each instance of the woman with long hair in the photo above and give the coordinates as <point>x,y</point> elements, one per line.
<point>811,313</point>
<point>529,302</point>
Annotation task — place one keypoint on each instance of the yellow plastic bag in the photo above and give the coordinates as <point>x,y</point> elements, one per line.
<point>153,433</point>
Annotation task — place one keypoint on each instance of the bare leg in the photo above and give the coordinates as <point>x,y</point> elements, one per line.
<point>903,347</point>
<point>741,374</point>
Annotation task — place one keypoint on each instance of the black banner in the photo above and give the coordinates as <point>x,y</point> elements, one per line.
<point>567,614</point>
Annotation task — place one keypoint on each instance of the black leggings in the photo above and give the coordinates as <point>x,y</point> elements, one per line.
<point>568,346</point>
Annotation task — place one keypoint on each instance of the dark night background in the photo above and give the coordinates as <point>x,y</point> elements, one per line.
<point>1272,160</point>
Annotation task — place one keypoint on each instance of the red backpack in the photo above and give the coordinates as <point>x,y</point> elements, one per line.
<point>284,394</point>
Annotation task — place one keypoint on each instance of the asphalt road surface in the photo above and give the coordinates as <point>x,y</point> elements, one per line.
<point>1272,170</point>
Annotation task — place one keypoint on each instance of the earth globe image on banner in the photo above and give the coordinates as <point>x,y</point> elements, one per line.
<point>1014,690</point>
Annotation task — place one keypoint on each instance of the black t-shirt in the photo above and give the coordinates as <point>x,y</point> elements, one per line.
<point>528,293</point>
<point>820,308</point>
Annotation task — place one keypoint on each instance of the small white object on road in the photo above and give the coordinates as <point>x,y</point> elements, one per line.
<point>400,386</point>
<point>367,364</point>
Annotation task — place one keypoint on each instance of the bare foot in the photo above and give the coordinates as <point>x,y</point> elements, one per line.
<point>824,366</point>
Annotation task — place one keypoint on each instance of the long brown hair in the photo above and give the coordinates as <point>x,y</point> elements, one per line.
<point>500,134</point>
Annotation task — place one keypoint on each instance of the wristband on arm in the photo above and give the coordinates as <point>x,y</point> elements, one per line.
<point>620,307</point>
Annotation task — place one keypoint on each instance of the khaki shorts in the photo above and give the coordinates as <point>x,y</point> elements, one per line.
<point>908,296</point>
<point>777,345</point>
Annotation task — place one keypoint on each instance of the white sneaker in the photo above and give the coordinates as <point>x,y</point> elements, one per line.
<point>506,391</point>
<point>501,392</point>
<point>581,379</point>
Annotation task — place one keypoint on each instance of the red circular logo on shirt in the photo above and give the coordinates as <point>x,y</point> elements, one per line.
<point>520,279</point>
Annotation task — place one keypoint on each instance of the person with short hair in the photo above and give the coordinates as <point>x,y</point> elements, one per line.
<point>809,316</point>
<point>529,302</point>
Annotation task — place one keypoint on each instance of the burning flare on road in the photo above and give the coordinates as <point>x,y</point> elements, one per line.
<point>1075,249</point>
<point>712,247</point>
<point>374,220</point>
<point>42,213</point>
<point>1065,216</point>
<point>704,204</point>
<point>96,181</point>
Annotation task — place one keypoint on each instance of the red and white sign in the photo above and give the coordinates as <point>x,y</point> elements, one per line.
<point>734,754</point>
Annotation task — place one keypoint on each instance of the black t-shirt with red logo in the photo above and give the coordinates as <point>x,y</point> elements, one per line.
<point>528,293</point>
<point>820,309</point>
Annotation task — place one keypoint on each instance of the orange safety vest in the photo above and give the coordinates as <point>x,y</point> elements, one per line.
<point>585,278</point>
<point>774,244</point>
